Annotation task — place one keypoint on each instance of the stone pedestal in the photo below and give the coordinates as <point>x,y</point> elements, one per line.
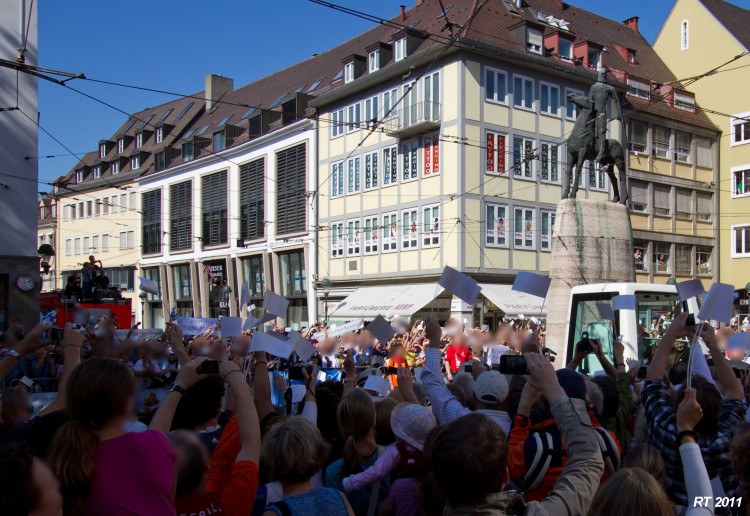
<point>592,243</point>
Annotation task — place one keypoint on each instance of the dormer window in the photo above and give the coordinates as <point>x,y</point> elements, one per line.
<point>121,145</point>
<point>139,140</point>
<point>115,167</point>
<point>102,150</point>
<point>373,61</point>
<point>220,140</point>
<point>97,171</point>
<point>400,49</point>
<point>631,56</point>
<point>349,72</point>
<point>160,161</point>
<point>565,49</point>
<point>187,152</point>
<point>534,40</point>
<point>135,162</point>
<point>684,101</point>
<point>638,88</point>
<point>159,135</point>
<point>79,176</point>
<point>595,59</point>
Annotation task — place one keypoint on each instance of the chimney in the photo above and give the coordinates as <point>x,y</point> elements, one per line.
<point>216,87</point>
<point>403,13</point>
<point>420,2</point>
<point>632,24</point>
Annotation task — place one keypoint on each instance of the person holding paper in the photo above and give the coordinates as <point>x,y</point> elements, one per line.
<point>721,415</point>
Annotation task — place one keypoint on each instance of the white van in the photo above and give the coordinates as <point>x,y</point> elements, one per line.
<point>655,305</point>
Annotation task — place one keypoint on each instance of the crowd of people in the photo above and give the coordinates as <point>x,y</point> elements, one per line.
<point>238,432</point>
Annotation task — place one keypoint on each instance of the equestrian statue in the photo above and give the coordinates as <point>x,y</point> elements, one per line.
<point>588,140</point>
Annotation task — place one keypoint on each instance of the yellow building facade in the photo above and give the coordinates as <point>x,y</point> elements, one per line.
<point>698,36</point>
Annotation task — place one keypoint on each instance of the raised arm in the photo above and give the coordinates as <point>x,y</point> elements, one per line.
<point>697,483</point>
<point>444,405</point>
<point>30,343</point>
<point>658,366</point>
<point>247,416</point>
<point>186,378</point>
<point>730,384</point>
<point>71,346</point>
<point>261,386</point>
<point>177,342</point>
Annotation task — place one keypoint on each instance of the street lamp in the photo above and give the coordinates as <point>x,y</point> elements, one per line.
<point>143,296</point>
<point>325,284</point>
<point>226,290</point>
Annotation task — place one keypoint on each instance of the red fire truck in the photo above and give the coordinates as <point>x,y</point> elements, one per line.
<point>119,311</point>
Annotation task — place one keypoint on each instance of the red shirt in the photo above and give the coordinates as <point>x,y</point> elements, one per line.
<point>456,355</point>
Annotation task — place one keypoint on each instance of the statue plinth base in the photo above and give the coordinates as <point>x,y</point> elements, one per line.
<point>592,243</point>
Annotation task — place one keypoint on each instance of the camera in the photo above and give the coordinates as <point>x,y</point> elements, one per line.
<point>513,364</point>
<point>209,367</point>
<point>585,345</point>
<point>56,334</point>
<point>690,321</point>
<point>642,372</point>
<point>295,372</point>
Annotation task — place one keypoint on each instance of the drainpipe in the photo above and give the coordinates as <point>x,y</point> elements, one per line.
<point>316,197</point>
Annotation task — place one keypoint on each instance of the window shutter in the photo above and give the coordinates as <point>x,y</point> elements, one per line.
<point>704,206</point>
<point>291,202</point>
<point>684,203</point>
<point>151,216</point>
<point>661,199</point>
<point>180,220</point>
<point>215,208</point>
<point>703,152</point>
<point>252,202</point>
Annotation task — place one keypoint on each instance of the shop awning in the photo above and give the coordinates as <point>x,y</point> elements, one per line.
<point>369,302</point>
<point>513,302</point>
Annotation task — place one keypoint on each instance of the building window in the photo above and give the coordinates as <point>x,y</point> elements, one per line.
<point>53,210</point>
<point>97,171</point>
<point>430,226</point>
<point>95,243</point>
<point>431,155</point>
<point>740,182</point>
<point>639,89</point>
<point>390,168</point>
<point>703,155</point>
<point>220,140</point>
<point>390,101</point>
<point>495,85</point>
<point>662,205</point>
<point>159,135</point>
<point>372,235</point>
<point>523,235</point>
<point>399,47</point>
<point>135,162</point>
<point>151,216</point>
<point>187,152</point>
<point>571,110</point>
<point>523,157</point>
<point>684,101</point>
<point>160,160</point>
<point>68,247</point>
<point>741,238</point>
<point>337,240</point>
<point>349,72</point>
<point>337,179</point>
<point>353,175</point>
<point>86,245</point>
<point>550,163</point>
<point>89,208</point>
<point>214,204</point>
<point>597,176</point>
<point>705,205</point>
<point>105,206</point>
<point>123,202</point>
<point>97,207</point>
<point>565,49</point>
<point>121,277</point>
<point>703,260</point>
<point>102,151</point>
<point>640,254</point>
<point>105,243</point>
<point>373,60</point>
<point>79,176</point>
<point>77,246</point>
<point>740,130</point>
<point>354,117</point>
<point>121,145</point>
<point>410,161</point>
<point>254,276</point>
<point>291,191</point>
<point>337,123</point>
<point>371,112</point>
<point>534,40</point>
<point>371,170</point>
<point>683,203</point>
<point>127,240</point>
<point>182,290</point>
<point>353,237</point>
<point>548,229</point>
<point>80,210</point>
<point>180,216</point>
<point>683,259</point>
<point>631,56</point>
<point>682,142</point>
<point>390,232</point>
<point>293,274</point>
<point>661,141</point>
<point>595,59</point>
<point>523,92</point>
<point>549,99</point>
<point>684,35</point>
<point>115,167</point>
<point>638,136</point>
<point>409,229</point>
<point>662,263</point>
<point>252,200</point>
<point>495,225</point>
<point>139,140</point>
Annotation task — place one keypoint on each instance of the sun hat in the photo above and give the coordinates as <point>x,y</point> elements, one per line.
<point>491,388</point>
<point>411,423</point>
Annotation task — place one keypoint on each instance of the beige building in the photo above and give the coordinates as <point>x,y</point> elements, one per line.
<point>47,234</point>
<point>699,36</point>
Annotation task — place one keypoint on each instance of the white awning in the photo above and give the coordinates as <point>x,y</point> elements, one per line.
<point>513,302</point>
<point>369,302</point>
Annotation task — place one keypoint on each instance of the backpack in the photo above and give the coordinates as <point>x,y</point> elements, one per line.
<point>411,463</point>
<point>549,446</point>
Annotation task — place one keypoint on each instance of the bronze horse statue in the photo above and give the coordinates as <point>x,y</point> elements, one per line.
<point>582,147</point>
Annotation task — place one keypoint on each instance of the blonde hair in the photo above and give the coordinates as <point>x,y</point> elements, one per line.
<point>356,416</point>
<point>648,458</point>
<point>293,450</point>
<point>631,491</point>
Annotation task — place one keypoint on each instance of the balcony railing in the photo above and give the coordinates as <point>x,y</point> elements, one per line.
<point>413,120</point>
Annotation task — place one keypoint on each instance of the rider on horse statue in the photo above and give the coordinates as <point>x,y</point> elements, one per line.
<point>599,94</point>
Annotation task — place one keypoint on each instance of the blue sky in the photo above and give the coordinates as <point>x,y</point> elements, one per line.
<point>172,44</point>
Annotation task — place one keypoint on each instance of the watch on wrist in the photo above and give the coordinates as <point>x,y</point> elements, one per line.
<point>176,388</point>
<point>14,353</point>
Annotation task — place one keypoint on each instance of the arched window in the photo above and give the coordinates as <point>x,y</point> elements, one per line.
<point>684,35</point>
